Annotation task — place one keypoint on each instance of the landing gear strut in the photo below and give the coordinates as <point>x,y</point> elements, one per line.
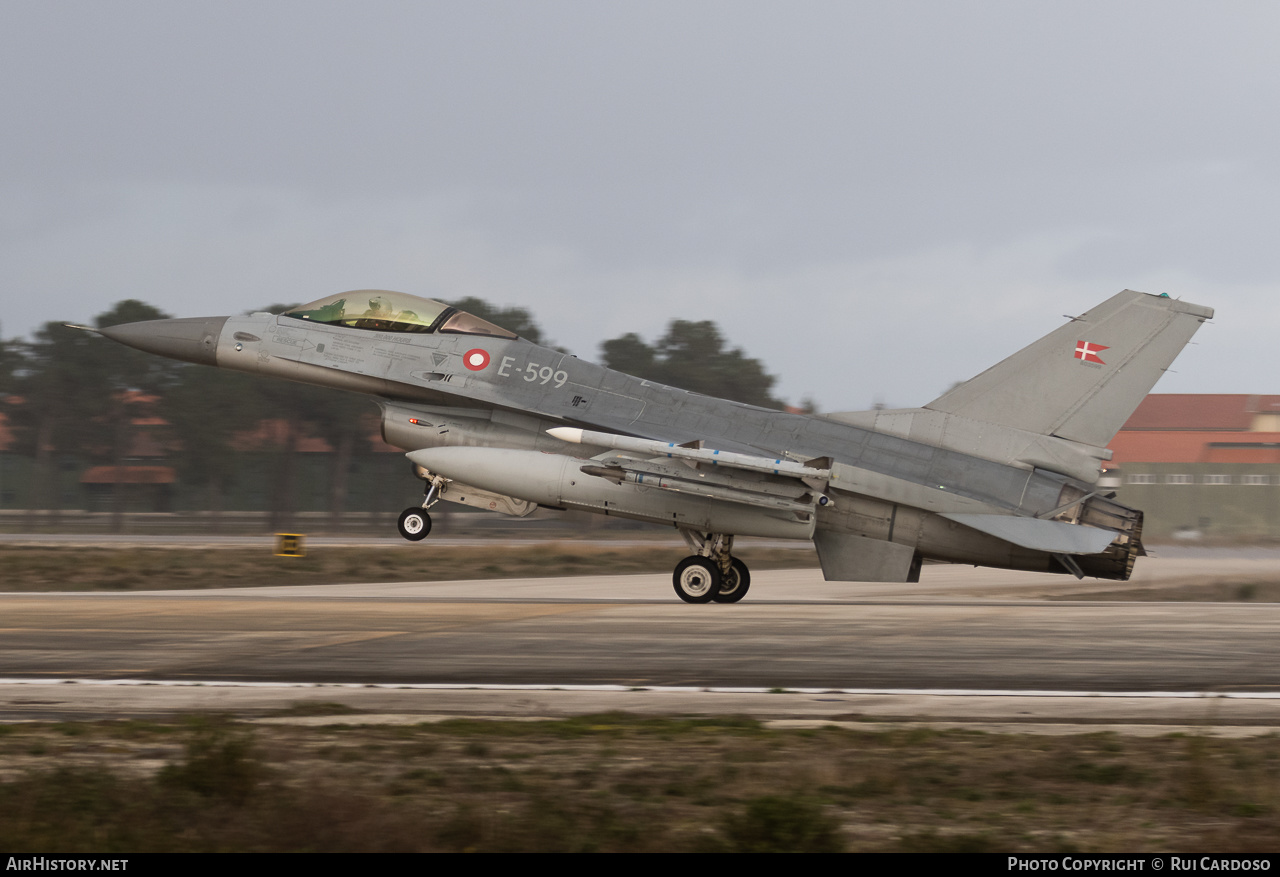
<point>733,587</point>
<point>712,573</point>
<point>415,523</point>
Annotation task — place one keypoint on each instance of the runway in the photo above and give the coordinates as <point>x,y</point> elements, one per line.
<point>959,629</point>
<point>990,634</point>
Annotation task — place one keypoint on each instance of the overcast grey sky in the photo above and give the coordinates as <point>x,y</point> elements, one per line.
<point>877,199</point>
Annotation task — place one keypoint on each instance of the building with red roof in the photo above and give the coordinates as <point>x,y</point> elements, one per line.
<point>1201,466</point>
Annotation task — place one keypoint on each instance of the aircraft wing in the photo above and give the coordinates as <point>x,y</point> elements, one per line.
<point>784,485</point>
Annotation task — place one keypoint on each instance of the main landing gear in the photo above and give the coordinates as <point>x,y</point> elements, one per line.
<point>415,523</point>
<point>712,574</point>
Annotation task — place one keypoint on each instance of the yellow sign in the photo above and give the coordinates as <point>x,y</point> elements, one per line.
<point>290,545</point>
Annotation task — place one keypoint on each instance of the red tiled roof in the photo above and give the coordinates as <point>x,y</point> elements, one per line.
<point>138,396</point>
<point>1154,446</point>
<point>147,444</point>
<point>1194,411</point>
<point>129,475</point>
<point>275,433</point>
<point>1243,453</point>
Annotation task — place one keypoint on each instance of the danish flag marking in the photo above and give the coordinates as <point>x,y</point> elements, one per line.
<point>1088,351</point>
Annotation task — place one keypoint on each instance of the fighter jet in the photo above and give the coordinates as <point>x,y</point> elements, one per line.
<point>1001,470</point>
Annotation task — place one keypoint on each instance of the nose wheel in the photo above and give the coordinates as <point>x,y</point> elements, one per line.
<point>414,524</point>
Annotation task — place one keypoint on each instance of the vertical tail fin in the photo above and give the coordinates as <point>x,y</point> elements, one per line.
<point>1083,381</point>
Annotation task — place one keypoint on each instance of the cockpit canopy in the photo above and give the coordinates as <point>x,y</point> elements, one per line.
<point>385,311</point>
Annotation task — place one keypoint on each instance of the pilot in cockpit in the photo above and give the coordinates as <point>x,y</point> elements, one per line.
<point>379,315</point>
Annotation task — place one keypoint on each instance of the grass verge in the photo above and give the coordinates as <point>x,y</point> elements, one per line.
<point>619,783</point>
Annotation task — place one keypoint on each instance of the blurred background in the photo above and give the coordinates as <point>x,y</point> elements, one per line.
<point>869,201</point>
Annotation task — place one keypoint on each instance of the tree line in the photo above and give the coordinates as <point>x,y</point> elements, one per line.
<point>66,394</point>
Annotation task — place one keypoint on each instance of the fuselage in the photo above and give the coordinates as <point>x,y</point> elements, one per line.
<point>492,389</point>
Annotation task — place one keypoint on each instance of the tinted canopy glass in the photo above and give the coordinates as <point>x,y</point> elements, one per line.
<point>386,311</point>
<point>378,309</point>
<point>462,323</point>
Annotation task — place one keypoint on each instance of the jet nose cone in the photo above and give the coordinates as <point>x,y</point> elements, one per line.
<point>191,339</point>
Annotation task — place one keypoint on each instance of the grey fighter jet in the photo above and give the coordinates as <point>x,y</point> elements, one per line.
<point>999,471</point>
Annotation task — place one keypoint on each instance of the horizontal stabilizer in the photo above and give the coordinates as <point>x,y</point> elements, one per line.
<point>1057,537</point>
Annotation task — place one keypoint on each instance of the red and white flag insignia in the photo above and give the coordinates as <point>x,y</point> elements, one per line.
<point>1089,352</point>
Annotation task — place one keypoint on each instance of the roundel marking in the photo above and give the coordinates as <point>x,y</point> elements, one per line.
<point>475,359</point>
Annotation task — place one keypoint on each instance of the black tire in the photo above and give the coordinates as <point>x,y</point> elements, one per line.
<point>733,587</point>
<point>696,579</point>
<point>414,524</point>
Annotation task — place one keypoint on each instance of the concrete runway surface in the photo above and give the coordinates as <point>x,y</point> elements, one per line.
<point>962,645</point>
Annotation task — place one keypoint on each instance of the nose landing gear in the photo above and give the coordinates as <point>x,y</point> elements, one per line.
<point>415,523</point>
